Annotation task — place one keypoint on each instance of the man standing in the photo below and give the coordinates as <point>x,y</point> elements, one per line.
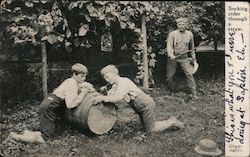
<point>179,42</point>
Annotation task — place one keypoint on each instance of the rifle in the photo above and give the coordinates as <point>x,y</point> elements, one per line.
<point>200,44</point>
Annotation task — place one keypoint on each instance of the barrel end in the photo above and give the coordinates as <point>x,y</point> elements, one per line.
<point>102,117</point>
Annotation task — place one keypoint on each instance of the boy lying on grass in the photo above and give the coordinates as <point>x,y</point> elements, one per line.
<point>124,89</point>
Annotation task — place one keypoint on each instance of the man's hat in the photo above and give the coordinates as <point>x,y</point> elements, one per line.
<point>207,147</point>
<point>193,66</point>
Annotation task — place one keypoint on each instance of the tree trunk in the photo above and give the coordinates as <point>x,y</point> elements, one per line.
<point>116,47</point>
<point>145,51</point>
<point>44,69</point>
<point>215,43</point>
<point>0,97</point>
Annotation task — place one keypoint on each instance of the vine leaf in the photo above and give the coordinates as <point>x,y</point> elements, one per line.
<point>52,39</point>
<point>83,30</point>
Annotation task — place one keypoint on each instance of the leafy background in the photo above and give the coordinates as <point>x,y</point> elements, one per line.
<point>73,31</point>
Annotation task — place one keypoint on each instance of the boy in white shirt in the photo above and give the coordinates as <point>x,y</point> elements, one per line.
<point>124,89</point>
<point>66,93</point>
<point>71,92</point>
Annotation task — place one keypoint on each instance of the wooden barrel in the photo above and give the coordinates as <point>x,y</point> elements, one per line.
<point>99,118</point>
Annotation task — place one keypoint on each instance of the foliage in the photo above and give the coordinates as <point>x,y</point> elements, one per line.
<point>214,17</point>
<point>137,57</point>
<point>80,24</point>
<point>127,14</point>
<point>4,75</point>
<point>30,18</point>
<point>205,19</point>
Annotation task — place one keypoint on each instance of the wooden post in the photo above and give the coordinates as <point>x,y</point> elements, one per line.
<point>215,43</point>
<point>44,68</point>
<point>145,51</point>
<point>0,98</point>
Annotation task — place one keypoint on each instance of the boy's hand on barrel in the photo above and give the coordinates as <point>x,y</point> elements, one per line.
<point>91,89</point>
<point>83,89</point>
<point>88,86</point>
<point>98,99</point>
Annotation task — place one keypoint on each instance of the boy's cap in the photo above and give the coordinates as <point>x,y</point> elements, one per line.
<point>109,69</point>
<point>79,68</point>
<point>181,20</point>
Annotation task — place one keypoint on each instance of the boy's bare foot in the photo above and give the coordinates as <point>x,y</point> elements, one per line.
<point>10,137</point>
<point>177,123</point>
<point>35,137</point>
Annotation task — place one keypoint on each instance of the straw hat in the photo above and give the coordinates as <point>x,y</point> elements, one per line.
<point>207,147</point>
<point>193,66</point>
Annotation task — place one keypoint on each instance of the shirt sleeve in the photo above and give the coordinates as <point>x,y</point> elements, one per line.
<point>122,89</point>
<point>170,44</point>
<point>191,45</point>
<point>71,94</point>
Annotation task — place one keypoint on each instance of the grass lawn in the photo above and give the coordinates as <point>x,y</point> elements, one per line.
<point>203,118</point>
